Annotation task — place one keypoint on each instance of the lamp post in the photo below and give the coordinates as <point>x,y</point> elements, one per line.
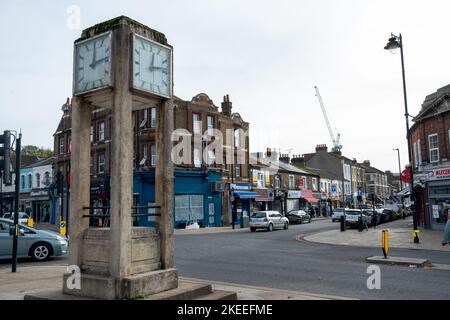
<point>395,43</point>
<point>400,180</point>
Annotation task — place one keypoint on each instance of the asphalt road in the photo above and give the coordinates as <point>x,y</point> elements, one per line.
<point>278,260</point>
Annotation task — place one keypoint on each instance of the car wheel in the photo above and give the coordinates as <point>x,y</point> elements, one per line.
<point>41,252</point>
<point>300,221</point>
<point>252,229</point>
<point>286,225</point>
<point>270,228</point>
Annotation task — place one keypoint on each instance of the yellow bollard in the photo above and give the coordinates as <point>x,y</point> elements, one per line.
<point>30,222</point>
<point>385,243</point>
<point>62,227</point>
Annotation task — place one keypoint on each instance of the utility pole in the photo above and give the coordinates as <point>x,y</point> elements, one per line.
<point>16,204</point>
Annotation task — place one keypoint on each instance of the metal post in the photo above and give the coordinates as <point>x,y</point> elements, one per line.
<point>16,204</point>
<point>400,185</point>
<point>413,206</point>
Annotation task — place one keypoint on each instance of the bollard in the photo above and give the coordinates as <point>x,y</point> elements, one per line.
<point>343,223</point>
<point>385,243</point>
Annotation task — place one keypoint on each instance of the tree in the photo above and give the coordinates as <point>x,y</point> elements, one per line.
<point>39,152</point>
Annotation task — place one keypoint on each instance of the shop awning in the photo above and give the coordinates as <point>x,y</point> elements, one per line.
<point>311,199</point>
<point>246,194</point>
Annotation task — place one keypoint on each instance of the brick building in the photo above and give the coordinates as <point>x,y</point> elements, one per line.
<point>198,192</point>
<point>430,141</point>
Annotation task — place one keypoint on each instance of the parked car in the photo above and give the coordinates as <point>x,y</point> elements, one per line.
<point>352,217</point>
<point>337,214</point>
<point>298,217</point>
<point>23,217</point>
<point>370,214</point>
<point>37,244</point>
<point>388,215</point>
<point>269,220</point>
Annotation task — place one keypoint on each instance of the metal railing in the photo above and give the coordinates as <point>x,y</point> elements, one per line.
<point>102,219</point>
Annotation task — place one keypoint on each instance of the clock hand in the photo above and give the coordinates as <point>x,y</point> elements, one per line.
<point>92,65</point>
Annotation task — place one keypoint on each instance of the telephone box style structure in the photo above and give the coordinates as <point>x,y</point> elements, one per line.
<point>121,65</point>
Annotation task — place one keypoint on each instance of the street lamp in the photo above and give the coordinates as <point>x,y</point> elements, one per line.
<point>395,43</point>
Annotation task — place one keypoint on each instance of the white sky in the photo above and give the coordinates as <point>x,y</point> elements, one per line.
<point>267,55</point>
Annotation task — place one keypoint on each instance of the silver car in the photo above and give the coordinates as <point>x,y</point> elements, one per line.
<point>268,220</point>
<point>23,217</point>
<point>37,244</point>
<point>352,217</point>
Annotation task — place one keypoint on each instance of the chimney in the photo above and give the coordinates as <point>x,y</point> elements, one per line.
<point>298,161</point>
<point>226,106</point>
<point>285,158</point>
<point>321,148</point>
<point>66,106</point>
<point>336,151</point>
<point>366,163</point>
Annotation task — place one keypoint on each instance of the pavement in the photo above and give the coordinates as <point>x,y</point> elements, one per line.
<point>400,236</point>
<point>32,279</point>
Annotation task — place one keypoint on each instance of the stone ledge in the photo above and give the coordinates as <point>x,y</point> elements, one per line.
<point>398,261</point>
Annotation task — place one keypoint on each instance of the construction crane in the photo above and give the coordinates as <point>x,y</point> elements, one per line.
<point>337,146</point>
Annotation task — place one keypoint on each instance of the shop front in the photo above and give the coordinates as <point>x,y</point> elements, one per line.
<point>438,192</point>
<point>40,204</point>
<point>293,200</point>
<point>264,201</point>
<point>242,199</point>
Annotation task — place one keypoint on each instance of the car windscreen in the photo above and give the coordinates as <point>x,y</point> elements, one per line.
<point>352,212</point>
<point>338,210</point>
<point>259,215</point>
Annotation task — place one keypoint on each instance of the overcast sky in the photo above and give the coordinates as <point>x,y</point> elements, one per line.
<point>267,55</point>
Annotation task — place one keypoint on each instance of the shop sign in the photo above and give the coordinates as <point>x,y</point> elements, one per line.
<point>439,174</point>
<point>294,194</point>
<point>242,187</point>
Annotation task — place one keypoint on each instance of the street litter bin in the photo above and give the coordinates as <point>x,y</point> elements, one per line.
<point>343,223</point>
<point>360,223</point>
<point>245,221</point>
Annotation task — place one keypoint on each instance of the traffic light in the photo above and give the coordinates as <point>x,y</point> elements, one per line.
<point>5,157</point>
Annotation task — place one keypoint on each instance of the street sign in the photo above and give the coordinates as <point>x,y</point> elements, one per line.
<point>406,175</point>
<point>333,188</point>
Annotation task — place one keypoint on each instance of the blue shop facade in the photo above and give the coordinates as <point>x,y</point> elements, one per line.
<point>194,198</point>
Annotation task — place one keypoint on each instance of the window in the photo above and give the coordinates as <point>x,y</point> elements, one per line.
<point>238,170</point>
<point>38,180</point>
<point>261,180</point>
<point>61,145</point>
<point>101,131</point>
<point>210,123</point>
<point>305,183</point>
<point>101,163</point>
<point>237,138</point>
<point>196,123</point>
<point>419,153</point>
<point>416,161</point>
<point>152,117</point>
<point>277,182</point>
<point>92,133</point>
<point>46,179</point>
<point>189,207</point>
<point>153,155</point>
<point>144,156</point>
<point>433,144</point>
<point>23,181</point>
<point>30,181</point>
<point>197,158</point>
<point>314,184</point>
<point>291,182</point>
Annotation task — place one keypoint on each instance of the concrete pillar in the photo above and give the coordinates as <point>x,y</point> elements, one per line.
<point>121,158</point>
<point>164,190</point>
<point>80,177</point>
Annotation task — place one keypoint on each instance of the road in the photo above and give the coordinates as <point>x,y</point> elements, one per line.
<point>278,260</point>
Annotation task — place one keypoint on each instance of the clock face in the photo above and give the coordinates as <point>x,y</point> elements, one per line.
<point>92,64</point>
<point>152,67</point>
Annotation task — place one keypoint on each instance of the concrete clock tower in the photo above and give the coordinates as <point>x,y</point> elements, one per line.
<point>123,66</point>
